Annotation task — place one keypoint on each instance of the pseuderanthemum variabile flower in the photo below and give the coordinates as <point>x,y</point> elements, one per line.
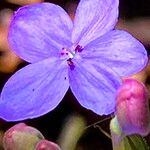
<point>87,54</point>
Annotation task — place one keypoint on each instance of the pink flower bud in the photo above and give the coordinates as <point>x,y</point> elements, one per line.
<point>46,145</point>
<point>21,137</point>
<point>132,109</point>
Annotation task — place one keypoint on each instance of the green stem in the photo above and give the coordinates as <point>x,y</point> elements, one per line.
<point>103,131</point>
<point>116,135</point>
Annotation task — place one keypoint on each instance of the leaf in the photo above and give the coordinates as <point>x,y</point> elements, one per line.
<point>135,142</point>
<point>123,142</point>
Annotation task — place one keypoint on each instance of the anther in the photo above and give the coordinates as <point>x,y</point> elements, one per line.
<point>78,48</point>
<point>70,63</point>
<point>64,51</point>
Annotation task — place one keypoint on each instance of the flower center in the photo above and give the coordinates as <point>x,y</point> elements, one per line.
<point>67,53</point>
<point>70,54</point>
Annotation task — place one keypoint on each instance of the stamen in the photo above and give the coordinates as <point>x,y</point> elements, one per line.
<point>69,54</point>
<point>71,64</point>
<point>79,48</point>
<point>64,51</point>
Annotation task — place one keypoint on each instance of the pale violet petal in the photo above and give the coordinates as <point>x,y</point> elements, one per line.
<point>94,85</point>
<point>40,31</point>
<point>94,18</point>
<point>118,50</point>
<point>34,90</point>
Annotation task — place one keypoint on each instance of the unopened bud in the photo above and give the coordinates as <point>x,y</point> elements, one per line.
<point>46,145</point>
<point>132,109</point>
<point>21,137</point>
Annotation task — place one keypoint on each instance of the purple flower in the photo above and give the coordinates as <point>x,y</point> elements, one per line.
<point>87,55</point>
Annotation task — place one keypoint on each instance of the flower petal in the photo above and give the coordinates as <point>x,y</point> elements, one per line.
<point>39,31</point>
<point>118,50</point>
<point>94,18</point>
<point>34,90</point>
<point>94,85</point>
